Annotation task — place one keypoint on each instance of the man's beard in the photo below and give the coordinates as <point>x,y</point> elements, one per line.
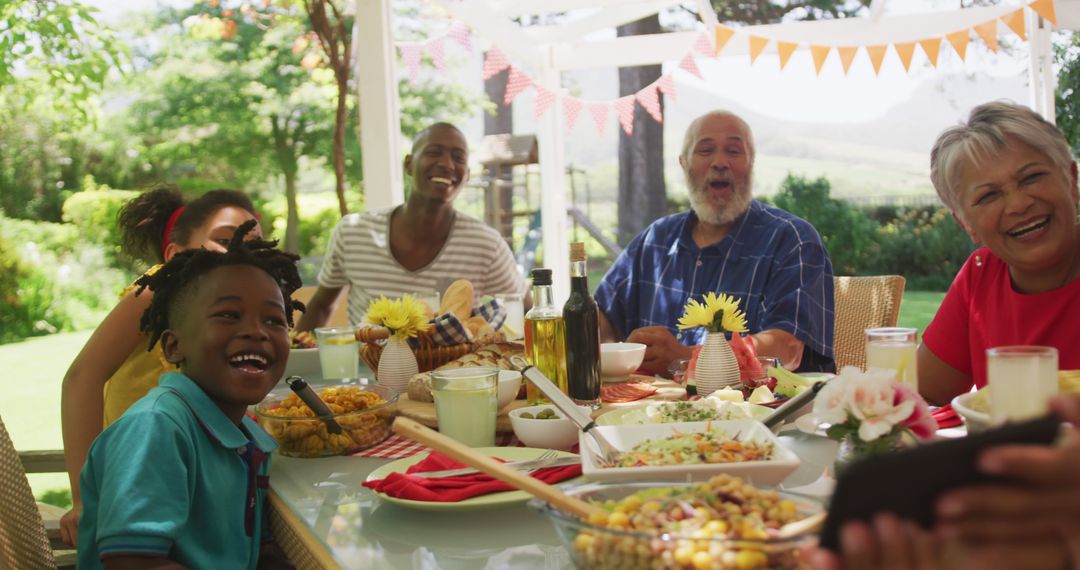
<point>719,215</point>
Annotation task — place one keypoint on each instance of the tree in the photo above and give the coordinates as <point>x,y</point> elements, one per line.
<point>60,44</point>
<point>335,37</point>
<point>1067,98</point>
<point>641,156</point>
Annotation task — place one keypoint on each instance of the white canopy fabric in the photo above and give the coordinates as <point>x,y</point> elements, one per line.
<point>553,49</point>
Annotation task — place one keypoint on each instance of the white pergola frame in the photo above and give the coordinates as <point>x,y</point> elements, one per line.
<point>554,49</point>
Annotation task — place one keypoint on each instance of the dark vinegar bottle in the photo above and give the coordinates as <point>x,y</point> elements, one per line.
<point>581,317</point>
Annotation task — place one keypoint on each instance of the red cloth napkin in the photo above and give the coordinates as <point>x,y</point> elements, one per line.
<point>946,417</point>
<point>453,489</point>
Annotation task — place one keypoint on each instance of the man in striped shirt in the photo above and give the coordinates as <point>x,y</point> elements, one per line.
<point>773,262</point>
<point>422,245</point>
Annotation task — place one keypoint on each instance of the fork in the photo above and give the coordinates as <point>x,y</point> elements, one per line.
<point>528,465</point>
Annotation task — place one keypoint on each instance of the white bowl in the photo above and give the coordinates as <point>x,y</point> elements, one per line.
<point>624,437</point>
<point>559,433</point>
<point>620,359</point>
<point>303,362</point>
<point>509,384</point>
<point>974,420</point>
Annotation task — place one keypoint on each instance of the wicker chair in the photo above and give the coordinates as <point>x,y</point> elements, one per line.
<point>24,542</point>
<point>862,303</point>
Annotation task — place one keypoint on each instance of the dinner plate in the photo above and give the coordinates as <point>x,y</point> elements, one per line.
<point>489,501</point>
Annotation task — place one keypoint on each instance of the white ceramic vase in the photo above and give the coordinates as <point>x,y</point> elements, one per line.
<point>397,365</point>
<point>716,365</point>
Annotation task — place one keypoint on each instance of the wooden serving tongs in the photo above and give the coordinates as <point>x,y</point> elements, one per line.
<point>458,451</point>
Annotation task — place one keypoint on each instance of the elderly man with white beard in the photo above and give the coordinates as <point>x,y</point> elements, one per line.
<point>772,261</point>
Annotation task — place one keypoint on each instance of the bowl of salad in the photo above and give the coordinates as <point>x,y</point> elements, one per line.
<point>689,451</point>
<point>724,522</point>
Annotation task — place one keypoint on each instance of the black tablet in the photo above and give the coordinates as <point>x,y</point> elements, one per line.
<point>908,482</point>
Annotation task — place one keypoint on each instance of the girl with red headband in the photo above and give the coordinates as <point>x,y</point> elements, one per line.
<point>114,368</point>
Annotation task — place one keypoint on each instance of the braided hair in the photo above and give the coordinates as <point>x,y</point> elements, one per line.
<point>143,219</point>
<point>170,282</point>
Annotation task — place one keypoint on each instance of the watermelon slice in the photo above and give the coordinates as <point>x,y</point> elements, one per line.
<point>750,370</point>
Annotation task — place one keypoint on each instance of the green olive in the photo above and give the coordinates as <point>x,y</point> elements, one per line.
<point>527,415</point>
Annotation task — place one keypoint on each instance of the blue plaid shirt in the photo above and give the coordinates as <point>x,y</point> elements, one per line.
<point>772,261</point>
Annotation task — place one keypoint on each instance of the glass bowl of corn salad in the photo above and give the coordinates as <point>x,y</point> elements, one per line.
<point>723,523</point>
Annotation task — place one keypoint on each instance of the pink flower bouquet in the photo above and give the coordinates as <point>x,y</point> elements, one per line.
<point>873,411</point>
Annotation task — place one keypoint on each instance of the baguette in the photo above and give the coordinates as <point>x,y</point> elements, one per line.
<point>458,299</point>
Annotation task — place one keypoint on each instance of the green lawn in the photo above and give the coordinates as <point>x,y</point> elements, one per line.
<point>35,368</point>
<point>917,308</point>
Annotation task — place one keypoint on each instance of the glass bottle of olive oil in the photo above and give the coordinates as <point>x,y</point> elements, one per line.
<point>545,336</point>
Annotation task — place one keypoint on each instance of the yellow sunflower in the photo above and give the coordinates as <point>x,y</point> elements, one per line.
<point>405,317</point>
<point>718,313</point>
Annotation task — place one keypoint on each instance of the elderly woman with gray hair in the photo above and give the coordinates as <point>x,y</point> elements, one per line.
<point>1010,179</point>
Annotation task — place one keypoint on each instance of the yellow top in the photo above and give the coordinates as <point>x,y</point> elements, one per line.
<point>137,375</point>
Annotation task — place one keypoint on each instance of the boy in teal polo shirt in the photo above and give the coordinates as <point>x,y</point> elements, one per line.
<point>179,480</point>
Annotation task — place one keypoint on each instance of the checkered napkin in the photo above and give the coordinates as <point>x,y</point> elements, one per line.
<point>448,330</point>
<point>397,447</point>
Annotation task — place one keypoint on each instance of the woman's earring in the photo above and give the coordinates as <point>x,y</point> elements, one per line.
<point>978,261</point>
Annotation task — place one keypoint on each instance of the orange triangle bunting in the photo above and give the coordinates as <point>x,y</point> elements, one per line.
<point>905,51</point>
<point>1015,22</point>
<point>819,54</point>
<point>988,32</point>
<point>959,41</point>
<point>877,55</point>
<point>847,55</point>
<point>931,47</point>
<point>1044,8</point>
<point>757,45</point>
<point>723,34</point>
<point>785,49</point>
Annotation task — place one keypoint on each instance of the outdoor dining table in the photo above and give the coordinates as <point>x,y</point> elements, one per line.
<point>329,520</point>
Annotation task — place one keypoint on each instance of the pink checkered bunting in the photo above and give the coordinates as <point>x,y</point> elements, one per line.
<point>571,109</point>
<point>437,50</point>
<point>517,83</point>
<point>688,64</point>
<point>544,99</point>
<point>666,85</point>
<point>599,113</point>
<point>494,62</point>
<point>411,54</point>
<point>650,101</point>
<point>459,32</point>
<point>624,108</point>
<point>703,46</point>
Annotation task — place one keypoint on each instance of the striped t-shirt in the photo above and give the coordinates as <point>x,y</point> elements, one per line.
<point>359,256</point>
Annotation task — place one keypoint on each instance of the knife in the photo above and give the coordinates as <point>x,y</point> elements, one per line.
<point>526,465</point>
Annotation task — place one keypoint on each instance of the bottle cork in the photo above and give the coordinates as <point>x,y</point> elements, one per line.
<point>577,251</point>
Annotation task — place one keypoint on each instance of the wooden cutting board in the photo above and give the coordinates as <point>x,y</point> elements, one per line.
<point>424,412</point>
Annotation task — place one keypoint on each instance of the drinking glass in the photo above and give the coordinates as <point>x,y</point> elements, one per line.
<point>1021,380</point>
<point>894,348</point>
<point>339,352</point>
<point>514,326</point>
<point>429,298</point>
<point>466,404</point>
<point>765,362</point>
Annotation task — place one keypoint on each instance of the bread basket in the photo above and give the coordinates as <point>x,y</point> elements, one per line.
<point>429,355</point>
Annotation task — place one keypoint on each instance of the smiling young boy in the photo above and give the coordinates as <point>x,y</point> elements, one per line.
<point>179,479</point>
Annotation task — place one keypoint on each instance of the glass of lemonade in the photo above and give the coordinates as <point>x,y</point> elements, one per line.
<point>466,403</point>
<point>893,348</point>
<point>1022,379</point>
<point>339,352</point>
<point>514,326</point>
